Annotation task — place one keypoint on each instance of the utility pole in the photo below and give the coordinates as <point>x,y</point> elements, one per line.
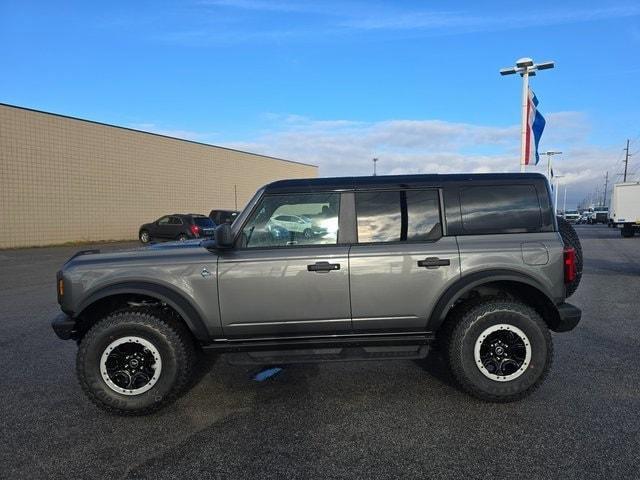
<point>375,161</point>
<point>526,68</point>
<point>606,184</point>
<point>626,161</point>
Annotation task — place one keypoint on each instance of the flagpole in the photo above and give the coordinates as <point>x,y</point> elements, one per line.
<point>524,125</point>
<point>525,67</point>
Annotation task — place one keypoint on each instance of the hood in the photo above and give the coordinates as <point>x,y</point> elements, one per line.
<point>143,253</point>
<point>194,242</point>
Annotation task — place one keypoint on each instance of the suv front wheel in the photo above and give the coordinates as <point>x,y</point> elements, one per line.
<point>498,350</point>
<point>134,362</point>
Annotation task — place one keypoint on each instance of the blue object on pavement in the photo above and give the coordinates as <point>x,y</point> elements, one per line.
<point>266,374</point>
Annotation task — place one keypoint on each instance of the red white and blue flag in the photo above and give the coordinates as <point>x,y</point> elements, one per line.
<point>535,127</point>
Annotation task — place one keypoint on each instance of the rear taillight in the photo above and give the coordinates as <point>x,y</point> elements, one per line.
<point>195,229</point>
<point>570,269</point>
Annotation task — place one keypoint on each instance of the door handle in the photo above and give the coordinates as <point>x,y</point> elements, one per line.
<point>434,262</point>
<point>323,267</point>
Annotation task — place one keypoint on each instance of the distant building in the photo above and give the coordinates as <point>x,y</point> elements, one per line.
<point>65,179</point>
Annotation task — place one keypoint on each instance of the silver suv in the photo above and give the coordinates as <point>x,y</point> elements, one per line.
<point>476,266</point>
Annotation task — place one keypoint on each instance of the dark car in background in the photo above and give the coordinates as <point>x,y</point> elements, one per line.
<point>223,216</point>
<point>177,226</point>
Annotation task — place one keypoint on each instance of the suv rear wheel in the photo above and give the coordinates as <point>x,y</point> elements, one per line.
<point>134,362</point>
<point>498,350</point>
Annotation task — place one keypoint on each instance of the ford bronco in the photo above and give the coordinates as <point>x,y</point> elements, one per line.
<point>477,266</point>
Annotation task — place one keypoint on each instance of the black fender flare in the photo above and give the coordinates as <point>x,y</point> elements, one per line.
<point>162,293</point>
<point>468,282</point>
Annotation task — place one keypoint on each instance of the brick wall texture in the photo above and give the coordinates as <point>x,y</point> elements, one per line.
<point>69,180</point>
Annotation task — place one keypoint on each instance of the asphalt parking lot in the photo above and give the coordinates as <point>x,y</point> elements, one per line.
<point>352,420</point>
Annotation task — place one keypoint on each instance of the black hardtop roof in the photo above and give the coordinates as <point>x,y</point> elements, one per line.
<point>396,181</point>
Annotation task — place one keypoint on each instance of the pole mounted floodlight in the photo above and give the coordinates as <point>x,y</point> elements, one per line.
<point>524,62</point>
<point>526,68</point>
<point>375,161</point>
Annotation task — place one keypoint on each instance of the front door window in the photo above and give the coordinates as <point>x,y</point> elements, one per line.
<point>293,220</point>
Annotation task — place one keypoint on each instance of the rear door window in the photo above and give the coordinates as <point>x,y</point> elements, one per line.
<point>423,219</point>
<point>398,216</point>
<point>379,217</point>
<point>500,209</point>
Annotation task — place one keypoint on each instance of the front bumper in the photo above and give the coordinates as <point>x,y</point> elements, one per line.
<point>569,316</point>
<point>64,326</point>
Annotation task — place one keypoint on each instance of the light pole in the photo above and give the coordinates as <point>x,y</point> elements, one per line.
<point>555,200</point>
<point>564,203</point>
<point>525,67</point>
<point>550,154</point>
<point>375,161</point>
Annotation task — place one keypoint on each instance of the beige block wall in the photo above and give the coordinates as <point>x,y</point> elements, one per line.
<point>69,180</point>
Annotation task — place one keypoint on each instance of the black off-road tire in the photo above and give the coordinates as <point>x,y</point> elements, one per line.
<point>461,333</point>
<point>571,239</point>
<point>173,342</point>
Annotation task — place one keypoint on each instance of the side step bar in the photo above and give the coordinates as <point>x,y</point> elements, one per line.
<point>315,342</point>
<point>317,355</point>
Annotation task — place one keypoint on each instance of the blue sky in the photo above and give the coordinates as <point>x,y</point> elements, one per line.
<point>336,83</point>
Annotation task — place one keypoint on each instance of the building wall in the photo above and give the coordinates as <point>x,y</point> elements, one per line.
<point>68,180</point>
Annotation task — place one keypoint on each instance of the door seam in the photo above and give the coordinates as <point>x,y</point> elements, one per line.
<point>349,287</point>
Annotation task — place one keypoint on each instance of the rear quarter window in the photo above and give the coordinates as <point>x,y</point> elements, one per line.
<point>500,209</point>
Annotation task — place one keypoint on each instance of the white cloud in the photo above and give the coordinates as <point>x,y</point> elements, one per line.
<point>463,22</point>
<point>223,22</point>
<point>342,147</point>
<point>346,147</point>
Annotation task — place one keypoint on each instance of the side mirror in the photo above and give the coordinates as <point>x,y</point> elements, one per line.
<point>223,236</point>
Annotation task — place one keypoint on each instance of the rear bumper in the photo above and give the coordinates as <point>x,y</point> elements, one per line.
<point>64,326</point>
<point>569,317</point>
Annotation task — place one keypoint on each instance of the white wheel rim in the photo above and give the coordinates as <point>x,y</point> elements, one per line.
<point>145,345</point>
<point>486,336</point>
